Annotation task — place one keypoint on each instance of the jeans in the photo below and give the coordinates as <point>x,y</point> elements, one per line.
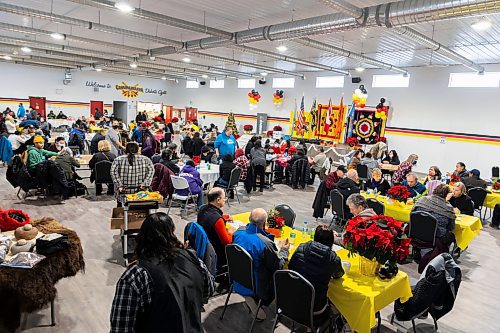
<point>200,200</point>
<point>259,171</point>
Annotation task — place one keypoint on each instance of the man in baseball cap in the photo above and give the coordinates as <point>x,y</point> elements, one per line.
<point>474,180</point>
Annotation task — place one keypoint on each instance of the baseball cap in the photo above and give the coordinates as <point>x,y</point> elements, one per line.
<point>475,172</point>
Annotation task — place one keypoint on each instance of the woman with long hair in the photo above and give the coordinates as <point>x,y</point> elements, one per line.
<point>131,172</point>
<point>404,169</point>
<point>167,279</point>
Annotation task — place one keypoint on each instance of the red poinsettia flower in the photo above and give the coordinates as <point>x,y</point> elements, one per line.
<point>496,186</point>
<point>399,193</point>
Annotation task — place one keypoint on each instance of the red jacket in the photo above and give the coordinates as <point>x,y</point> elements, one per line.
<point>161,180</point>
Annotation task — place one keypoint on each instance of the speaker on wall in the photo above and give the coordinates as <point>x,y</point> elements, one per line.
<point>356,80</point>
<point>202,83</point>
<point>262,81</point>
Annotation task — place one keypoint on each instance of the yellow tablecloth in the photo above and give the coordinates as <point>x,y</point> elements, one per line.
<point>466,226</point>
<point>357,297</point>
<point>492,199</point>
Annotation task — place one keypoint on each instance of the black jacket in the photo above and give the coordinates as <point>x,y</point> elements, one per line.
<point>207,216</point>
<point>473,181</point>
<point>225,170</point>
<point>318,264</point>
<point>346,187</point>
<point>187,146</point>
<point>382,187</point>
<point>464,204</point>
<point>171,165</point>
<point>101,156</point>
<point>320,200</point>
<point>94,143</point>
<point>197,144</point>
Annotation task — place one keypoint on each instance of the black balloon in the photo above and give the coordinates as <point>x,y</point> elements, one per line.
<point>361,87</point>
<point>364,91</point>
<point>380,105</point>
<point>382,100</point>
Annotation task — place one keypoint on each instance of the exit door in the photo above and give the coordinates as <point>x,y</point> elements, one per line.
<point>261,123</point>
<point>191,114</point>
<point>38,103</point>
<point>120,110</point>
<point>96,104</point>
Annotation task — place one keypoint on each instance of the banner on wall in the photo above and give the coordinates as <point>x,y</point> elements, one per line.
<point>127,90</point>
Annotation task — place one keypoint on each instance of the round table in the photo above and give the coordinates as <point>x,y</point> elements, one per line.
<point>209,176</point>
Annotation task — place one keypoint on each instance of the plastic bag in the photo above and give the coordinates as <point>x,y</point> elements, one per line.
<point>23,260</point>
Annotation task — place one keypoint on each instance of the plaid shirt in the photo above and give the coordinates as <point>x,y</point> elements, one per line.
<point>134,293</point>
<point>243,163</point>
<point>130,177</point>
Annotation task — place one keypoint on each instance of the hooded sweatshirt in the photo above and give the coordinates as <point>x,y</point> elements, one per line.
<point>37,156</point>
<point>193,178</point>
<point>225,144</point>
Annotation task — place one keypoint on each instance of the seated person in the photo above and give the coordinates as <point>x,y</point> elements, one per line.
<point>378,183</point>
<point>166,160</point>
<point>324,188</point>
<point>18,142</point>
<point>192,176</point>
<point>61,115</point>
<point>473,180</point>
<point>187,145</point>
<point>104,154</point>
<point>391,158</point>
<point>356,159</point>
<point>460,170</point>
<point>348,186</point>
<point>300,155</point>
<point>495,219</point>
<point>370,162</point>
<point>225,169</point>
<point>434,174</point>
<point>333,177</point>
<point>58,145</point>
<point>318,263</point>
<point>266,260</point>
<point>211,219</point>
<point>208,155</point>
<point>413,185</point>
<point>67,162</point>
<point>37,155</point>
<point>173,149</point>
<point>99,136</point>
<point>358,206</point>
<point>459,199</point>
<point>51,115</point>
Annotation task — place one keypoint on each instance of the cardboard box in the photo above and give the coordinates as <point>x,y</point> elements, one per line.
<point>135,218</point>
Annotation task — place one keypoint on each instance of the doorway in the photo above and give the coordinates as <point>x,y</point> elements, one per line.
<point>261,123</point>
<point>120,110</point>
<point>38,103</point>
<point>99,105</point>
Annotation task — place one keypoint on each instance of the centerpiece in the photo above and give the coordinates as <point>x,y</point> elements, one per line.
<point>378,240</point>
<point>174,120</point>
<point>454,178</point>
<point>399,193</point>
<point>352,141</point>
<point>248,128</point>
<point>496,186</point>
<point>275,222</point>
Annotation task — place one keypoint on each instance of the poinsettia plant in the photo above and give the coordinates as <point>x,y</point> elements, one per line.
<point>352,141</point>
<point>496,186</point>
<point>454,177</point>
<point>247,127</point>
<point>269,133</point>
<point>378,237</point>
<point>175,119</point>
<point>399,193</point>
<point>274,219</point>
<point>277,128</point>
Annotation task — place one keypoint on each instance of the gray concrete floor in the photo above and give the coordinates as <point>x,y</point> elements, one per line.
<point>84,301</point>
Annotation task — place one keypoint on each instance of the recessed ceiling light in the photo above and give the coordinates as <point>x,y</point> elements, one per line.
<point>57,35</point>
<point>360,69</point>
<point>163,78</point>
<point>481,25</point>
<point>186,59</point>
<point>25,49</point>
<point>205,76</point>
<point>282,48</point>
<point>7,57</point>
<point>133,65</point>
<point>98,69</point>
<point>124,7</point>
<point>263,74</point>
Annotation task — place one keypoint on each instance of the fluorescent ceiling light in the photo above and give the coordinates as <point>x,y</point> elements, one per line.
<point>360,69</point>
<point>163,78</point>
<point>124,7</point>
<point>282,48</point>
<point>205,76</point>
<point>263,74</point>
<point>133,65</point>
<point>25,49</point>
<point>57,35</point>
<point>98,69</point>
<point>7,57</point>
<point>481,25</point>
<point>186,59</point>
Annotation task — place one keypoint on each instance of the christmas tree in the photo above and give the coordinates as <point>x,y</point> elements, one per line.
<point>232,123</point>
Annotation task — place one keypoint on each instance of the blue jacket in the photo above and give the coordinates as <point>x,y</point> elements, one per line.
<point>137,135</point>
<point>6,152</point>
<point>21,112</point>
<point>266,260</point>
<point>418,189</point>
<point>193,178</point>
<point>225,144</point>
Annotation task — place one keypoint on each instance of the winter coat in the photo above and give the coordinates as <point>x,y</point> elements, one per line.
<point>197,144</point>
<point>67,163</point>
<point>193,178</point>
<point>95,142</point>
<point>37,156</point>
<point>320,200</point>
<point>6,152</point>
<point>198,240</point>
<point>225,170</point>
<point>382,187</point>
<point>301,172</point>
<point>162,181</point>
<point>99,157</point>
<point>463,203</point>
<point>258,156</point>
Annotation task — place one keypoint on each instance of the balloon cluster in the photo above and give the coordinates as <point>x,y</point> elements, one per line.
<point>253,97</point>
<point>382,109</point>
<point>359,97</point>
<point>278,97</point>
<point>381,106</point>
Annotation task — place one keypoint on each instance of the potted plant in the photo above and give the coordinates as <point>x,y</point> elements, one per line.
<point>277,128</point>
<point>399,193</point>
<point>175,120</point>
<point>270,133</point>
<point>248,128</point>
<point>275,222</point>
<point>352,141</point>
<point>454,178</point>
<point>378,240</point>
<point>496,186</point>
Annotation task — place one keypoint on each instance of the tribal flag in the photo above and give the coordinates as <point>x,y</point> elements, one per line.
<point>314,114</point>
<point>328,120</point>
<point>301,114</point>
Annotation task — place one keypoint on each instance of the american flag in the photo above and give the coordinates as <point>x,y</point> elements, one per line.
<point>301,114</point>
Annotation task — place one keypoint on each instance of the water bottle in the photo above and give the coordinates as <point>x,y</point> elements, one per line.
<point>375,191</point>
<point>292,237</point>
<point>305,230</point>
<point>313,231</point>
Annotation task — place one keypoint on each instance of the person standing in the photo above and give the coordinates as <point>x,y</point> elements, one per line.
<point>97,114</point>
<point>21,111</point>
<point>165,287</point>
<point>317,165</point>
<point>225,143</point>
<point>98,137</point>
<point>258,155</point>
<point>113,136</point>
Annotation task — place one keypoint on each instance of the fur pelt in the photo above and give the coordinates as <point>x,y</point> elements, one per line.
<point>28,290</point>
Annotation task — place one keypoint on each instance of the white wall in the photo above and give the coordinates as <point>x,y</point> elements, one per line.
<point>428,104</point>
<point>21,81</point>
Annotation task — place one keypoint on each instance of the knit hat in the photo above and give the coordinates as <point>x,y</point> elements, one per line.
<point>239,152</point>
<point>475,172</point>
<point>37,139</point>
<point>342,168</point>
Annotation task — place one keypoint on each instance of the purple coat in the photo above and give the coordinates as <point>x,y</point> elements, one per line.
<point>193,177</point>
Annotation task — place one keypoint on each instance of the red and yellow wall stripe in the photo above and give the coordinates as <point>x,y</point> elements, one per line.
<point>450,136</point>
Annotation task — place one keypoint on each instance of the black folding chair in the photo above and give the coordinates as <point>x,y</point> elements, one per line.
<point>240,269</point>
<point>233,184</point>
<point>286,302</point>
<point>376,205</point>
<point>478,195</point>
<point>495,172</point>
<point>75,150</point>
<point>287,213</point>
<point>337,203</point>
<point>102,173</point>
<point>362,173</point>
<point>423,228</point>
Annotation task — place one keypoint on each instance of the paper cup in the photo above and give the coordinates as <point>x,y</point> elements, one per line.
<point>346,265</point>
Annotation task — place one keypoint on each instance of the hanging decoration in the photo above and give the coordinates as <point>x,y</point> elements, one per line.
<point>278,97</point>
<point>253,98</point>
<point>360,96</point>
<point>382,109</point>
<point>367,127</point>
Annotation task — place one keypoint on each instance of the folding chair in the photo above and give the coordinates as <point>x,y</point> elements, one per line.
<point>240,269</point>
<point>337,203</point>
<point>286,302</point>
<point>179,183</point>
<point>287,213</point>
<point>376,205</point>
<point>495,172</point>
<point>478,195</point>
<point>234,179</point>
<point>362,173</point>
<point>102,173</point>
<point>422,230</point>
